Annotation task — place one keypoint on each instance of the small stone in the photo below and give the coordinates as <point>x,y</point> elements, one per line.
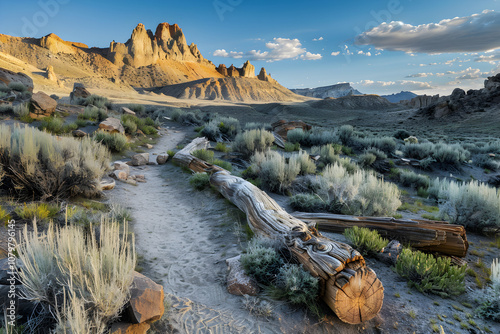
<point>149,146</point>
<point>140,159</point>
<point>112,125</point>
<point>238,282</point>
<point>127,111</point>
<point>120,165</point>
<point>78,133</point>
<point>162,159</point>
<point>146,300</point>
<point>107,184</point>
<point>42,105</point>
<point>119,175</point>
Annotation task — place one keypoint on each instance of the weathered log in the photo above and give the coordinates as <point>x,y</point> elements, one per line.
<point>351,289</point>
<point>282,127</point>
<point>278,141</point>
<point>426,235</point>
<point>184,157</point>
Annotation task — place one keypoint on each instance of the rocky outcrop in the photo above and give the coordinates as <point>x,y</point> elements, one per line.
<point>112,125</point>
<point>334,91</point>
<point>55,44</point>
<point>146,300</point>
<point>460,102</point>
<point>233,72</point>
<point>79,91</point>
<point>222,69</point>
<point>248,70</point>
<point>265,77</point>
<point>42,105</point>
<point>421,101</point>
<point>230,89</point>
<point>7,77</point>
<point>50,74</point>
<point>145,48</point>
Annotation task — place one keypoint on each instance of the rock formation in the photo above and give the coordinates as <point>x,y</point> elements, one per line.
<point>222,69</point>
<point>248,70</point>
<point>233,72</point>
<point>265,77</point>
<point>399,97</point>
<point>7,77</point>
<point>335,91</point>
<point>421,101</point>
<point>42,105</point>
<point>55,44</point>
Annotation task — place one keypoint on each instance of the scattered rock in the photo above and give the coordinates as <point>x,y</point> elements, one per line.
<point>390,253</point>
<point>107,184</point>
<point>127,111</point>
<point>42,105</point>
<point>162,159</point>
<point>238,282</point>
<point>79,91</point>
<point>120,165</point>
<point>126,328</point>
<point>7,77</point>
<point>139,132</point>
<point>140,159</point>
<point>78,133</point>
<point>146,300</point>
<point>112,125</point>
<point>140,178</point>
<point>119,175</point>
<point>148,146</point>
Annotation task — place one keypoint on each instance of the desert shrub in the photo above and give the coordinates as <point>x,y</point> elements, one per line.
<point>429,274</point>
<point>221,128</point>
<point>22,111</point>
<point>297,286</point>
<point>4,216</point>
<point>296,136</point>
<point>53,125</point>
<point>93,113</point>
<point>438,189</point>
<point>273,170</point>
<point>200,181</point>
<point>418,151</point>
<point>484,148</point>
<point>490,297</point>
<point>366,159</point>
<point>307,165</point>
<point>186,117</point>
<point>379,155</point>
<point>137,108</point>
<point>385,144</point>
<point>401,134</point>
<point>485,161</point>
<point>328,153</point>
<point>472,204</point>
<point>261,262</point>
<point>80,123</point>
<point>40,211</point>
<point>221,147</point>
<point>317,137</point>
<point>75,275</point>
<point>115,142</point>
<point>365,241</point>
<point>291,147</point>
<point>204,155</point>
<point>224,164</point>
<point>257,125</point>
<point>411,140</point>
<point>149,121</point>
<point>307,203</point>
<point>345,133</point>
<point>6,108</point>
<point>452,154</point>
<point>40,166</point>
<point>129,126</point>
<point>146,125</point>
<point>412,179</point>
<point>251,141</point>
<point>359,193</point>
<point>98,101</point>
<point>17,86</point>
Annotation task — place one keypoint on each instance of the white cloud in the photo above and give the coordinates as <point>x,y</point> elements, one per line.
<point>336,53</point>
<point>318,39</point>
<point>420,75</point>
<point>278,49</point>
<point>490,58</point>
<point>395,85</point>
<point>310,56</point>
<point>368,54</point>
<point>477,32</point>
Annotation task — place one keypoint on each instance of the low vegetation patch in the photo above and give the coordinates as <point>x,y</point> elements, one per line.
<point>94,114</point>
<point>200,181</point>
<point>221,128</point>
<point>365,241</point>
<point>115,142</point>
<point>273,170</point>
<point>251,141</point>
<point>40,211</point>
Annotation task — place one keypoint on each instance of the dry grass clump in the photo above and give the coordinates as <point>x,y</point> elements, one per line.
<point>254,140</point>
<point>115,142</point>
<point>83,279</point>
<point>273,170</point>
<point>38,166</point>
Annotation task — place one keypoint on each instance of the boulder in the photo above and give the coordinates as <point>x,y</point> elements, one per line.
<point>457,94</point>
<point>78,133</point>
<point>112,125</point>
<point>119,175</point>
<point>140,159</point>
<point>127,111</point>
<point>146,301</point>
<point>162,159</point>
<point>238,282</point>
<point>107,184</point>
<point>7,77</point>
<point>42,105</point>
<point>126,328</point>
<point>79,91</point>
<point>119,165</point>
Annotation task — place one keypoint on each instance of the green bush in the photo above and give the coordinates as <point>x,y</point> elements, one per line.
<point>200,181</point>
<point>129,126</point>
<point>401,134</point>
<point>204,155</point>
<point>307,165</point>
<point>40,166</point>
<point>17,86</point>
<point>98,101</point>
<point>224,164</point>
<point>131,123</point>
<point>83,279</point>
<point>4,216</point>
<point>221,147</point>
<point>485,161</point>
<point>115,142</point>
<point>261,262</point>
<point>273,170</point>
<point>307,203</point>
<point>221,128</point>
<point>345,133</point>
<point>40,211</point>
<point>385,144</point>
<point>53,125</point>
<point>256,125</point>
<point>297,286</point>
<point>317,137</point>
<point>93,113</point>
<point>366,159</point>
<point>252,141</point>
<point>328,153</point>
<point>291,147</point>
<point>453,154</point>
<point>365,241</point>
<point>137,108</point>
<point>296,136</point>
<point>429,274</point>
<point>376,152</point>
<point>412,179</point>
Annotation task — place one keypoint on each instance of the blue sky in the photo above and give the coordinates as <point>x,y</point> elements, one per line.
<point>379,46</point>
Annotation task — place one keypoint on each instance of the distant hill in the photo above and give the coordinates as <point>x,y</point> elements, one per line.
<point>335,91</point>
<point>353,102</point>
<point>401,96</point>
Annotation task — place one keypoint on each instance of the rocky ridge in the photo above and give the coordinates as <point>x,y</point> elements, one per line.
<point>335,91</point>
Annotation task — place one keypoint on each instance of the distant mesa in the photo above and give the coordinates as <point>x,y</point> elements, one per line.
<point>354,102</point>
<point>399,97</point>
<point>335,91</point>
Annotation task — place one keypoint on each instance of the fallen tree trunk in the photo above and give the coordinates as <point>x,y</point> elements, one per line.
<point>351,289</point>
<point>425,235</point>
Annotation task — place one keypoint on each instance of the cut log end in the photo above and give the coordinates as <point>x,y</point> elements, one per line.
<point>359,298</point>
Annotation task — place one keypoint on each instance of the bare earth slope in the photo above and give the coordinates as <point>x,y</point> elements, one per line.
<point>230,89</point>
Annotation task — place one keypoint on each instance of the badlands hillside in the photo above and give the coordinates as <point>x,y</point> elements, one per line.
<point>147,60</point>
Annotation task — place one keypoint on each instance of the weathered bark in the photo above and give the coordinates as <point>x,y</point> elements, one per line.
<point>184,157</point>
<point>351,289</point>
<point>426,235</point>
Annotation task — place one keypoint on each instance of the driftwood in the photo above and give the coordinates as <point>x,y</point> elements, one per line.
<point>426,235</point>
<point>278,141</point>
<point>351,289</point>
<point>282,127</point>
